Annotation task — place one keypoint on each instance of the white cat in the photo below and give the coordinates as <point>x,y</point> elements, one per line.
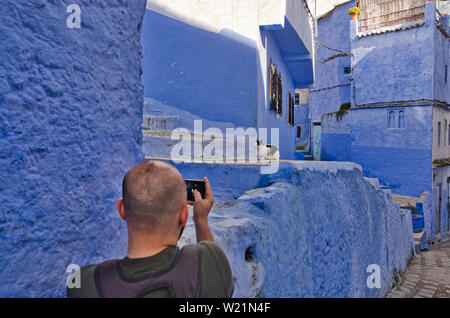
<point>267,152</point>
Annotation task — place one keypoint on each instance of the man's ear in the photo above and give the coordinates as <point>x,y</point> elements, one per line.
<point>184,214</point>
<point>120,208</point>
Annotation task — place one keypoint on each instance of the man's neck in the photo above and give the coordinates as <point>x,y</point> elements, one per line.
<point>140,246</point>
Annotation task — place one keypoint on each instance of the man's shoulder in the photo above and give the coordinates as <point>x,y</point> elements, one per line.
<point>209,249</point>
<point>87,288</point>
<point>216,276</point>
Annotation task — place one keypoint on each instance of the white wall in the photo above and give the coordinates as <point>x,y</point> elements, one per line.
<point>440,177</point>
<point>240,16</point>
<point>442,150</point>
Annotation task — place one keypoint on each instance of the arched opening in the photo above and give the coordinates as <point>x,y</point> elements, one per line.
<point>401,119</point>
<point>391,119</point>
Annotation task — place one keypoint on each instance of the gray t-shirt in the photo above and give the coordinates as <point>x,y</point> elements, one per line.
<point>216,279</point>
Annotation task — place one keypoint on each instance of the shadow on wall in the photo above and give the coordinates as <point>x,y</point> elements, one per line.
<point>211,75</point>
<point>197,74</point>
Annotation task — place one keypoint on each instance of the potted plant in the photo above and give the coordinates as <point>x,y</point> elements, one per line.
<point>354,11</point>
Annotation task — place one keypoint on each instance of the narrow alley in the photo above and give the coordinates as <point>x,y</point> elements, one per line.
<point>428,275</point>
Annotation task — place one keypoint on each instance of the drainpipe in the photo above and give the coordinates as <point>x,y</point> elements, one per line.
<point>353,37</point>
<point>430,24</point>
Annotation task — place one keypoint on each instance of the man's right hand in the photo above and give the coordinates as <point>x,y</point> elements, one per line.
<point>202,207</point>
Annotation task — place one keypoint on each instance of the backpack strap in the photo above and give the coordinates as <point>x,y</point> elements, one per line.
<point>181,278</point>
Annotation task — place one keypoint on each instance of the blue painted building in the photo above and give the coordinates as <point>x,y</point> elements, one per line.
<point>213,63</point>
<point>395,79</point>
<point>302,120</point>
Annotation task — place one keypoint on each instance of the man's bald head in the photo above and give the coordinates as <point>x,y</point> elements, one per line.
<point>153,193</point>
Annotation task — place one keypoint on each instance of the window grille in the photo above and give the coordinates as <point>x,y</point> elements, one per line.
<point>291,110</point>
<point>276,90</point>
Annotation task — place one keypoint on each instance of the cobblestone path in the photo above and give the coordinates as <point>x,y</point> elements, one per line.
<point>428,275</point>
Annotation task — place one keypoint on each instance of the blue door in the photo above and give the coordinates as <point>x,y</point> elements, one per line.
<point>317,140</point>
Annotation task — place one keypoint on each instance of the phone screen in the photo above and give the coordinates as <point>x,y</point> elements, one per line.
<point>192,185</point>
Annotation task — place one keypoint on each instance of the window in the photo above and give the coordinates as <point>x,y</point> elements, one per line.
<point>275,90</point>
<point>391,119</point>
<point>396,119</point>
<point>446,73</point>
<point>445,131</point>
<point>401,119</point>
<point>297,98</point>
<point>299,132</point>
<point>291,110</point>
<point>301,96</point>
<point>347,69</point>
<point>439,133</point>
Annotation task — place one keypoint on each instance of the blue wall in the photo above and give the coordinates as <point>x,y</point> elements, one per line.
<point>405,171</point>
<point>395,66</point>
<point>334,32</point>
<point>208,74</point>
<point>70,117</point>
<point>313,228</point>
<point>302,120</point>
<point>399,157</point>
<point>266,117</point>
<point>336,147</point>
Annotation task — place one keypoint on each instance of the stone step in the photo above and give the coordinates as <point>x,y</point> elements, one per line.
<point>374,181</point>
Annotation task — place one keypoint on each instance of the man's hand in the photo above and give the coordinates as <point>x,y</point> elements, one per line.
<point>202,207</point>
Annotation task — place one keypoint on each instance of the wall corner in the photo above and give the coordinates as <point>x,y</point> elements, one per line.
<point>353,29</point>
<point>430,13</point>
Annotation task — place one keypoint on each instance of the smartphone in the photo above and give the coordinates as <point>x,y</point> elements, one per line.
<point>192,185</point>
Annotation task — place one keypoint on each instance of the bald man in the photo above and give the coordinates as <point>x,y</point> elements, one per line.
<point>155,207</point>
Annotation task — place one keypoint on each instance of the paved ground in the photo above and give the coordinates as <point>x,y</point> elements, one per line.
<point>428,275</point>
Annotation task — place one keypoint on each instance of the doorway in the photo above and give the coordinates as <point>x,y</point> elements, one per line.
<point>438,209</point>
<point>448,203</point>
<point>317,140</point>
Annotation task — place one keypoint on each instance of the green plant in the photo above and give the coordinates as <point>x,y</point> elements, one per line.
<point>353,10</point>
<point>397,276</point>
<point>410,207</point>
<point>342,110</point>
